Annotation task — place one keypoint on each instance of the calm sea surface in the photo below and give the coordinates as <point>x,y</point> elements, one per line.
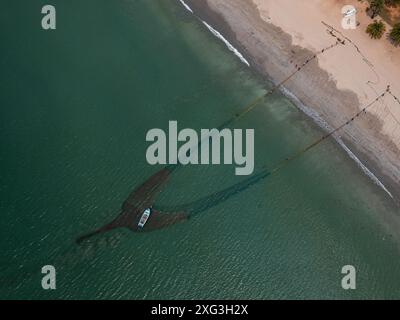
<point>75,106</point>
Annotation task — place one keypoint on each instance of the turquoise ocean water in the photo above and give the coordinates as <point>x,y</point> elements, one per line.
<point>76,104</point>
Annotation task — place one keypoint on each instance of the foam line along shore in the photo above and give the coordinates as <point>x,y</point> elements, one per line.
<point>379,173</point>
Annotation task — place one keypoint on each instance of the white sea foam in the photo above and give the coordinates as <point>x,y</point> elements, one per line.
<point>219,36</point>
<point>324,125</point>
<point>186,6</point>
<point>227,43</point>
<point>309,112</point>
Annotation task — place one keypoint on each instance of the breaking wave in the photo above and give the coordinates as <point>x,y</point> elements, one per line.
<point>309,112</point>
<point>324,125</point>
<point>227,43</point>
<point>219,36</point>
<point>186,6</point>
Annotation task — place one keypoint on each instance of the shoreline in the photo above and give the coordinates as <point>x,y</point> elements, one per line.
<point>366,163</point>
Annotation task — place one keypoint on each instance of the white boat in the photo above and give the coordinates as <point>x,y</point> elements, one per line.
<point>145,216</point>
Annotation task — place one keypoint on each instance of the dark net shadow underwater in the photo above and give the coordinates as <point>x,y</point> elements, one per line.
<point>139,204</point>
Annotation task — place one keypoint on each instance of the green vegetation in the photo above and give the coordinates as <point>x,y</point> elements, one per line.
<point>395,34</point>
<point>390,12</point>
<point>376,7</point>
<point>392,3</point>
<point>376,29</point>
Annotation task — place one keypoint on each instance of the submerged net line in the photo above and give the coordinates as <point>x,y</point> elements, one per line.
<point>254,103</point>
<point>275,87</point>
<point>207,202</point>
<point>218,197</point>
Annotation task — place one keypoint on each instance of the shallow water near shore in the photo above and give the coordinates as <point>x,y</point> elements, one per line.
<point>76,106</point>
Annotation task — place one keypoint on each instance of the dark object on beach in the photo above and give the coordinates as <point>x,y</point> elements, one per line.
<point>133,207</point>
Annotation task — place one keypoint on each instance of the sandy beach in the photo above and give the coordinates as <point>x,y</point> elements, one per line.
<point>277,36</point>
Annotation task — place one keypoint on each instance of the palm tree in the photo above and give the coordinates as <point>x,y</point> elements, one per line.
<point>395,34</point>
<point>376,29</point>
<point>376,7</point>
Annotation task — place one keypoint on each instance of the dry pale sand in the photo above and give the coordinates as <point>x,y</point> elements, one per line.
<point>347,68</point>
<point>275,35</point>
